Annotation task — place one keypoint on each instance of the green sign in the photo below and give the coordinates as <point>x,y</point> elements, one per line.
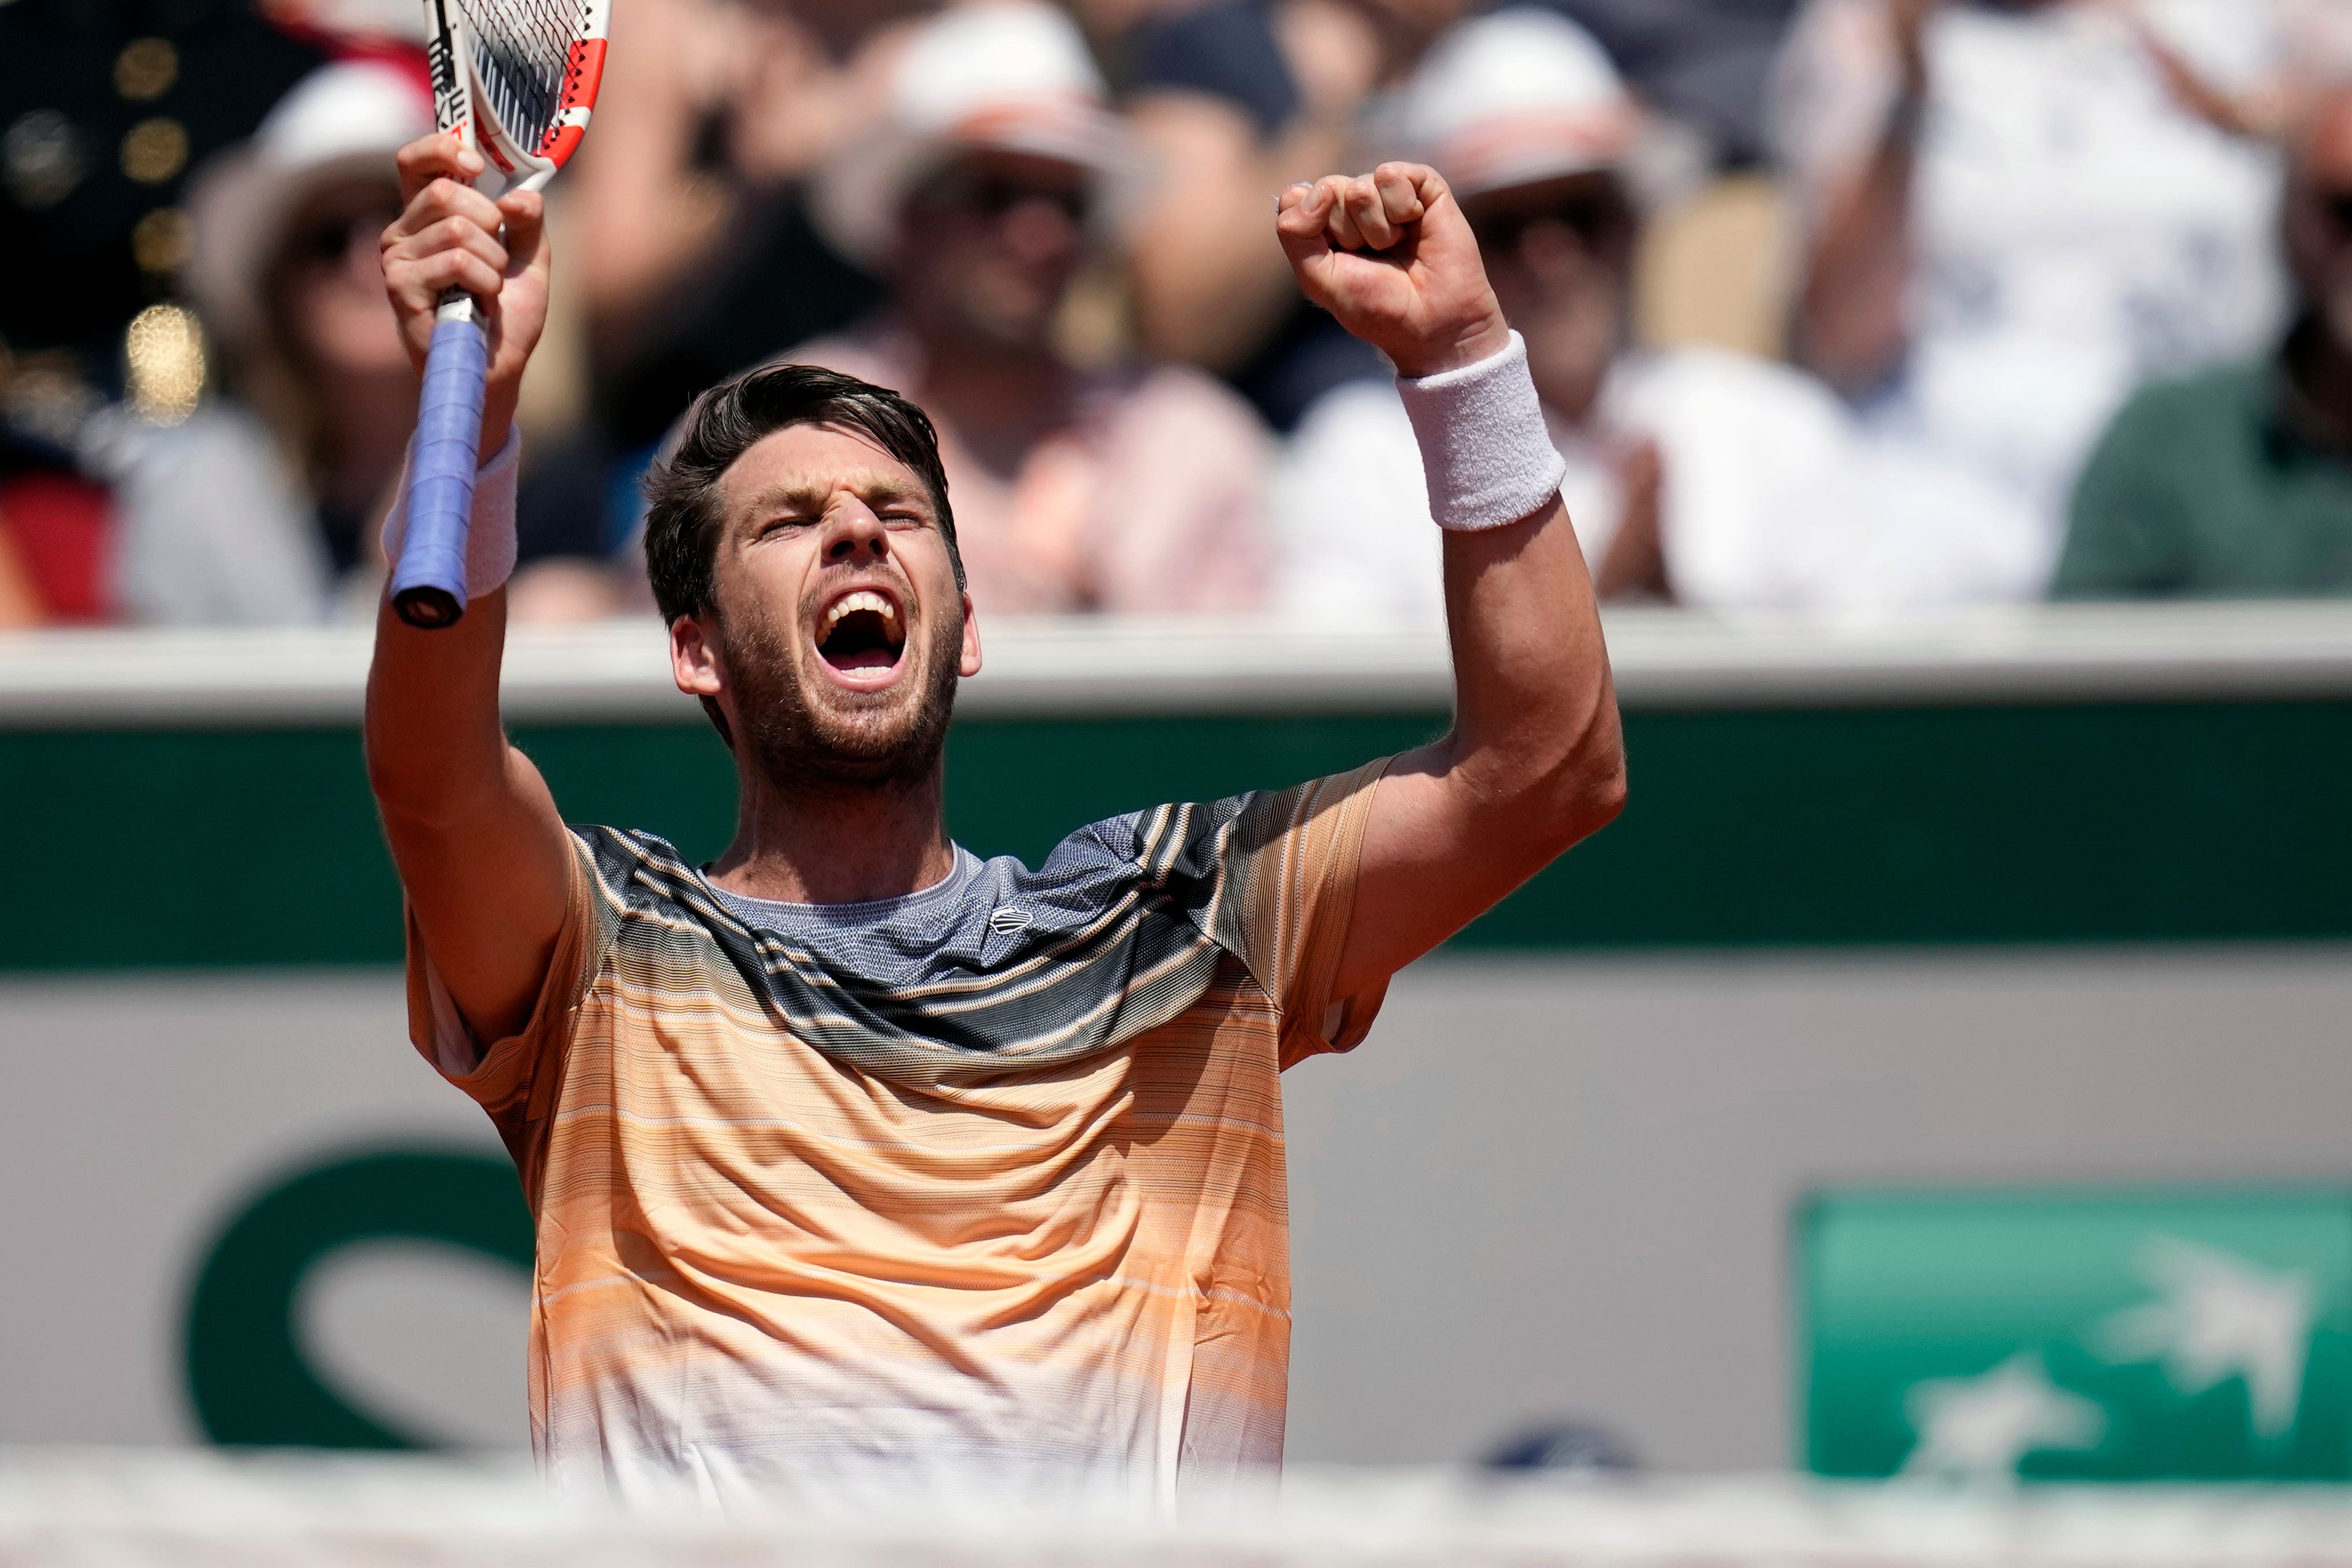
<point>2066,1334</point>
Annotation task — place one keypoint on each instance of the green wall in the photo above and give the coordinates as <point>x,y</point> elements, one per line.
<point>1835,827</point>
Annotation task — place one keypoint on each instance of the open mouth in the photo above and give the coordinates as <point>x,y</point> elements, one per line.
<point>861,632</point>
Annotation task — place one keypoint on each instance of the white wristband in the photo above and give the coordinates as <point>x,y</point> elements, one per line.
<point>489,533</point>
<point>1484,452</point>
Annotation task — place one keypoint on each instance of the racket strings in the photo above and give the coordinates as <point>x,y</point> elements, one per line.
<point>522,52</point>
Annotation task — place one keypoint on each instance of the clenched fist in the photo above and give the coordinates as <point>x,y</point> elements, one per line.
<point>451,236</point>
<point>1389,254</point>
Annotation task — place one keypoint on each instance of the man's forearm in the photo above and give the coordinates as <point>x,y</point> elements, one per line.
<point>433,733</point>
<point>1534,761</point>
<point>432,695</point>
<point>1535,723</point>
<point>482,851</point>
<point>480,848</point>
<point>1536,737</point>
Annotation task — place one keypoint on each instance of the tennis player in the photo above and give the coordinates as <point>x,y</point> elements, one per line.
<point>859,1162</point>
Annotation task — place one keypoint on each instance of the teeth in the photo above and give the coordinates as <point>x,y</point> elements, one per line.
<point>864,598</point>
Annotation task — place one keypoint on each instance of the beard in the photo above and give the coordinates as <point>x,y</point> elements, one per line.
<point>886,740</point>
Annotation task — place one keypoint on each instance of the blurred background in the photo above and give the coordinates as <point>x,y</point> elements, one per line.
<point>1940,1070</point>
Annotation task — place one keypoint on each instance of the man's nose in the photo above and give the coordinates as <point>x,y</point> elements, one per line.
<point>856,537</point>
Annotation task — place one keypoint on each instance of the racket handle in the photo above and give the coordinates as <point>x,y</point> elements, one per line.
<point>428,584</point>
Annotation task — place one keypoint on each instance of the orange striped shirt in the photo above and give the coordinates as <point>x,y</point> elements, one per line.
<point>838,1210</point>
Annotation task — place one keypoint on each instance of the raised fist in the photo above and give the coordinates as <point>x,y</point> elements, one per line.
<point>450,234</point>
<point>1389,254</point>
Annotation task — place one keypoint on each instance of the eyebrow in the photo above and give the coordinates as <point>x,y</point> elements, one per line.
<point>809,494</point>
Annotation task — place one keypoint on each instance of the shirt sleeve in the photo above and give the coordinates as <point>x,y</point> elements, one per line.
<point>509,1077</point>
<point>1289,899</point>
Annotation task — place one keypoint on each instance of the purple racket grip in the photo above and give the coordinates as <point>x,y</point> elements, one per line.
<point>428,585</point>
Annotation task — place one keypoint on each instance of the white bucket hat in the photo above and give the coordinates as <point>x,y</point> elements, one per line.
<point>1514,98</point>
<point>340,121</point>
<point>1012,75</point>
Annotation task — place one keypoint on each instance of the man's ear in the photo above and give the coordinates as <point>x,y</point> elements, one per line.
<point>969,663</point>
<point>694,659</point>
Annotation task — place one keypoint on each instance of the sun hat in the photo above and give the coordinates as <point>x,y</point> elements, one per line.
<point>342,122</point>
<point>1011,76</point>
<point>1516,96</point>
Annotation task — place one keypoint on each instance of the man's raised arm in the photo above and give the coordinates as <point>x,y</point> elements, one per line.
<point>480,849</point>
<point>1535,760</point>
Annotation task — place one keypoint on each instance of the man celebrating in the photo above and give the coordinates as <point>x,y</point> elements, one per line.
<point>857,1162</point>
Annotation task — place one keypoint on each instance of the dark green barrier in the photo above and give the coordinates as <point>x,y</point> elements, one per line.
<point>1842,827</point>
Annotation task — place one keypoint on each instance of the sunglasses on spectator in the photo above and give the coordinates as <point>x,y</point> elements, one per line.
<point>992,196</point>
<point>326,241</point>
<point>1593,217</point>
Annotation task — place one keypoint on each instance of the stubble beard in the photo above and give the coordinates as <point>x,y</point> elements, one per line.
<point>886,741</point>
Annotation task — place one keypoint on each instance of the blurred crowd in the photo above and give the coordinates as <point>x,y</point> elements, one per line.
<point>1842,305</point>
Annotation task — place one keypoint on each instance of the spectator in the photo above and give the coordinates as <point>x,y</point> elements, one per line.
<point>260,506</point>
<point>103,111</point>
<point>1236,99</point>
<point>1703,61</point>
<point>1134,488</point>
<point>2018,210</point>
<point>2238,481</point>
<point>697,253</point>
<point>1693,474</point>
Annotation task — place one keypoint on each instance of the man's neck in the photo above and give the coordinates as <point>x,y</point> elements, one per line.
<point>827,846</point>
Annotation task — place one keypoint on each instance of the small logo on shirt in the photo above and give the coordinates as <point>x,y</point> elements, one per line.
<point>1004,922</point>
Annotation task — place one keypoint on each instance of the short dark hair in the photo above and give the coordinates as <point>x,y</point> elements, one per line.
<point>683,519</point>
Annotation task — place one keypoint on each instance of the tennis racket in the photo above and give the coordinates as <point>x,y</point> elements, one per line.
<point>515,79</point>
